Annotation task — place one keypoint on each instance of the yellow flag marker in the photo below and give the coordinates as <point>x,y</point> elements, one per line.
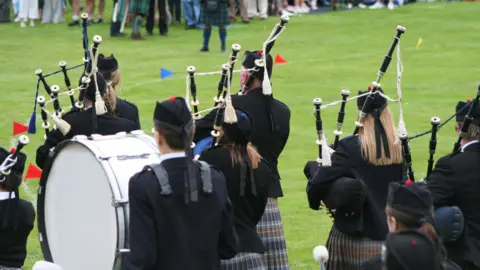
<point>419,42</point>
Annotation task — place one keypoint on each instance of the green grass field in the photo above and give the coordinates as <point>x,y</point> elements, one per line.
<point>325,54</point>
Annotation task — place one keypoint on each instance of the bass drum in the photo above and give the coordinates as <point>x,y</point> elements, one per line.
<point>83,214</point>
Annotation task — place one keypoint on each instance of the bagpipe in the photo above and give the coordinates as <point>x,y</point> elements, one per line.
<point>7,165</point>
<point>54,93</point>
<point>325,150</point>
<point>222,100</point>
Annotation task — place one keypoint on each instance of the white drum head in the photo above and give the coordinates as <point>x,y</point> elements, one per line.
<point>80,227</point>
<point>79,217</point>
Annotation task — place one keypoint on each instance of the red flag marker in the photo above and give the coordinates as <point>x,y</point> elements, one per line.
<point>279,59</point>
<point>33,172</point>
<point>19,128</point>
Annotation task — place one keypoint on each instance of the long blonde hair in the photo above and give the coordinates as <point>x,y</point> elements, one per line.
<point>235,154</point>
<point>368,142</point>
<point>116,78</point>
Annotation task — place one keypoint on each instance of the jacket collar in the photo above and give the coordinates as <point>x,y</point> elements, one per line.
<point>473,146</point>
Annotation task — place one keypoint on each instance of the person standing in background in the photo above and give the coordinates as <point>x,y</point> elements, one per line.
<point>76,13</point>
<point>162,20</point>
<point>91,9</point>
<point>258,8</point>
<point>214,13</point>
<point>174,7</point>
<point>138,9</point>
<point>52,11</point>
<point>241,5</point>
<point>28,10</point>
<point>191,13</point>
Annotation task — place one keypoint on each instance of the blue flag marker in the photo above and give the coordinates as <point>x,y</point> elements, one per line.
<point>165,73</point>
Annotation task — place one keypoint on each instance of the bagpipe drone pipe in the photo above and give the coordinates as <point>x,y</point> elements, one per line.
<point>222,100</point>
<point>54,92</point>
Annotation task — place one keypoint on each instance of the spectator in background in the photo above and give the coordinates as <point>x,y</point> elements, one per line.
<point>76,13</point>
<point>16,9</point>
<point>258,8</point>
<point>28,10</point>
<point>174,7</point>
<point>162,20</point>
<point>214,13</point>
<point>239,5</point>
<point>91,9</point>
<point>52,11</point>
<point>299,6</point>
<point>191,13</point>
<point>379,4</point>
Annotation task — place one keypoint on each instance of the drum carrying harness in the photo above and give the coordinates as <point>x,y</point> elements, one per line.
<point>162,177</point>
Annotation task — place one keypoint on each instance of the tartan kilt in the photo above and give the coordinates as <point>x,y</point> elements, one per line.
<point>350,252</point>
<point>139,7</point>
<point>218,18</point>
<point>270,230</point>
<point>243,261</point>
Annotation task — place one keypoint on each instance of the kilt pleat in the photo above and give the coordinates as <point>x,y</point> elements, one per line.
<point>270,230</point>
<point>245,261</point>
<point>220,17</point>
<point>350,252</point>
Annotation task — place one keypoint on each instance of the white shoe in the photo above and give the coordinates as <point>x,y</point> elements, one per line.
<point>32,23</point>
<point>17,19</point>
<point>361,5</point>
<point>313,5</point>
<point>390,6</point>
<point>290,9</point>
<point>305,9</point>
<point>377,6</point>
<point>285,12</point>
<point>22,24</point>
<point>349,6</point>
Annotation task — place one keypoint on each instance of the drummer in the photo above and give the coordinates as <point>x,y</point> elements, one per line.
<point>180,213</point>
<point>81,121</point>
<point>17,216</point>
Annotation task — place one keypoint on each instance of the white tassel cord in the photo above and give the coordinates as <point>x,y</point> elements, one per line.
<point>187,93</point>
<point>266,85</point>
<point>326,153</point>
<point>402,129</point>
<point>7,164</point>
<point>100,107</point>
<point>230,116</point>
<point>61,124</point>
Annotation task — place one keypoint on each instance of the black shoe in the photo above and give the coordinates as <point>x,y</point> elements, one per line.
<point>204,49</point>
<point>165,34</point>
<point>74,23</point>
<point>99,20</point>
<point>149,34</point>
<point>118,35</point>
